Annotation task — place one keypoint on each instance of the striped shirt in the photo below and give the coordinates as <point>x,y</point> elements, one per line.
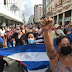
<point>39,39</point>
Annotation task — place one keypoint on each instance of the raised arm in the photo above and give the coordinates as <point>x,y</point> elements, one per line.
<point>46,25</point>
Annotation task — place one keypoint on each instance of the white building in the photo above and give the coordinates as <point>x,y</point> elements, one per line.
<point>38,12</point>
<point>7,16</point>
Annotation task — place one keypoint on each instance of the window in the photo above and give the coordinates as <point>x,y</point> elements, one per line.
<point>4,2</point>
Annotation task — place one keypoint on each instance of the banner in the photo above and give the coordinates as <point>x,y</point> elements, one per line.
<point>34,56</point>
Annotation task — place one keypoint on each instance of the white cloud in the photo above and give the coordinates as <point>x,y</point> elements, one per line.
<point>28,7</point>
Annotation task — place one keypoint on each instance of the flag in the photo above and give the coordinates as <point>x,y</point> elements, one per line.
<point>34,56</point>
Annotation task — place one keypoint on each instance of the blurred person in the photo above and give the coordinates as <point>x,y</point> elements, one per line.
<point>34,26</point>
<point>14,29</point>
<point>2,41</point>
<point>17,36</point>
<point>2,33</point>
<point>58,31</point>
<point>36,31</point>
<point>30,29</point>
<point>62,28</point>
<point>2,61</point>
<point>9,33</point>
<point>39,38</point>
<point>66,29</point>
<point>26,30</point>
<point>53,33</point>
<point>71,27</point>
<point>61,60</point>
<point>22,29</point>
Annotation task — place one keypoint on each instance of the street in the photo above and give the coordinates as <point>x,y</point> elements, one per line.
<point>13,66</point>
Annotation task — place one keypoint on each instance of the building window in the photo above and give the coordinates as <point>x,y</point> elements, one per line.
<point>4,2</point>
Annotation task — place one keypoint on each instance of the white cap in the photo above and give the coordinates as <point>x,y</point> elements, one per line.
<point>56,25</point>
<point>59,31</point>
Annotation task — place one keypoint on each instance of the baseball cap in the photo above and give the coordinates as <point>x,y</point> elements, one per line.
<point>56,25</point>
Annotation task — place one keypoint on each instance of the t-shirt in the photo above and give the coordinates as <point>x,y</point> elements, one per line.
<point>8,35</point>
<point>2,32</point>
<point>1,40</point>
<point>70,37</point>
<point>39,39</point>
<point>19,40</point>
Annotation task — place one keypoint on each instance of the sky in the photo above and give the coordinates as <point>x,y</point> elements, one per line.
<point>28,7</point>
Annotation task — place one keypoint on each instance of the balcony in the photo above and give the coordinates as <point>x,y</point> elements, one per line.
<point>67,2</point>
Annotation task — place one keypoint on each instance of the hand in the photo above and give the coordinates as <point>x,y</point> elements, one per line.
<point>68,32</point>
<point>47,23</point>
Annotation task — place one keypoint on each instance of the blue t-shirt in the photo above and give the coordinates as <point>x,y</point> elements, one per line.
<point>70,28</point>
<point>1,40</point>
<point>70,37</point>
<point>54,40</point>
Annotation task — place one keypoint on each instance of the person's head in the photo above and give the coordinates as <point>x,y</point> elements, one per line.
<point>30,38</point>
<point>56,27</point>
<point>58,30</point>
<point>63,45</point>
<point>18,30</point>
<point>8,29</point>
<point>30,28</point>
<point>67,27</point>
<point>36,31</point>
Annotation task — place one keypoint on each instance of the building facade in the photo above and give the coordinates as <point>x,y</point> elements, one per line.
<point>31,20</point>
<point>38,12</point>
<point>9,16</point>
<point>60,11</point>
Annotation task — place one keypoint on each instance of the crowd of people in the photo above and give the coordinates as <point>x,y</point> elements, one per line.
<point>46,32</point>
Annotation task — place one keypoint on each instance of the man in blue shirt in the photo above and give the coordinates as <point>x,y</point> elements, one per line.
<point>2,41</point>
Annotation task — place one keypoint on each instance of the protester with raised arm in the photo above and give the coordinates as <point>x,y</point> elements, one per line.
<point>60,60</point>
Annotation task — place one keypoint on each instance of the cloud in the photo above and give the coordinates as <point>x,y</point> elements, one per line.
<point>28,7</point>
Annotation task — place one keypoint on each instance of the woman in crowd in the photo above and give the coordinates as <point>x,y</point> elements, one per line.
<point>61,60</point>
<point>30,38</point>
<point>19,37</point>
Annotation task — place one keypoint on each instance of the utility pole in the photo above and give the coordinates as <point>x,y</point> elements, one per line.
<point>44,8</point>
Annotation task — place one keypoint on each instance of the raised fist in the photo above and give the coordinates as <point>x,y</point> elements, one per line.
<point>47,23</point>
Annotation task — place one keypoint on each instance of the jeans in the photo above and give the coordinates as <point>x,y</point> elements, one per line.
<point>9,44</point>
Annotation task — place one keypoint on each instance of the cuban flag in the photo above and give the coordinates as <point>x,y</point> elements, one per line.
<point>34,56</point>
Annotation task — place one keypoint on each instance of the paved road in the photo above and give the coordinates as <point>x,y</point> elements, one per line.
<point>13,66</point>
